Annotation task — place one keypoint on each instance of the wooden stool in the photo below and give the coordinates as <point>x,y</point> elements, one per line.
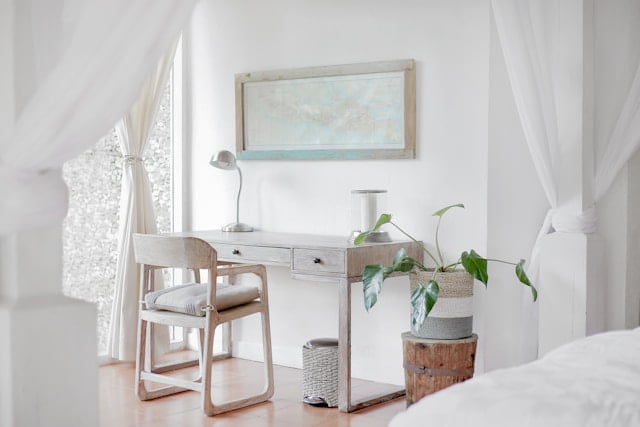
<point>431,365</point>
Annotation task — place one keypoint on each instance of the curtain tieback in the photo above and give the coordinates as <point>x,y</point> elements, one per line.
<point>132,159</point>
<point>562,221</point>
<point>568,222</point>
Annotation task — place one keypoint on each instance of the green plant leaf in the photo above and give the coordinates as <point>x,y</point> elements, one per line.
<point>372,278</point>
<point>443,210</point>
<point>360,238</point>
<point>384,219</point>
<point>401,254</point>
<point>375,274</point>
<point>475,265</point>
<point>423,298</point>
<point>521,273</point>
<point>418,306</point>
<point>405,264</point>
<point>433,290</point>
<point>522,276</point>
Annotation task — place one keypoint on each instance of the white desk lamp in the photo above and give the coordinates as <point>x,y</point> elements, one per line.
<point>225,160</point>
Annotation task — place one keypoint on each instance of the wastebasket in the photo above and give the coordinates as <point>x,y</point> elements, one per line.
<point>320,372</point>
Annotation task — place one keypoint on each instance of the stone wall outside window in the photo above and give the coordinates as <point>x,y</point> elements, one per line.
<point>90,230</point>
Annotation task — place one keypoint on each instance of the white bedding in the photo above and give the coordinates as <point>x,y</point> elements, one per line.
<point>594,381</point>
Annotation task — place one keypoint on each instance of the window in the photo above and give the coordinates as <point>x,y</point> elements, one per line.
<point>90,230</point>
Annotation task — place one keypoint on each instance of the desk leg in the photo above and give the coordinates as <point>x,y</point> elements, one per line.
<point>344,345</point>
<point>345,403</point>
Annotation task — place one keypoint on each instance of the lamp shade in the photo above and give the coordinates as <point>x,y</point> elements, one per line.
<point>223,160</point>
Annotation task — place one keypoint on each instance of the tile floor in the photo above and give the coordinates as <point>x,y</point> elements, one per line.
<point>119,407</point>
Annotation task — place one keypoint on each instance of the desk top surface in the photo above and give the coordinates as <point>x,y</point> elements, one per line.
<point>276,239</point>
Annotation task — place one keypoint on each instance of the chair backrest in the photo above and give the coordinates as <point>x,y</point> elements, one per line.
<point>173,252</point>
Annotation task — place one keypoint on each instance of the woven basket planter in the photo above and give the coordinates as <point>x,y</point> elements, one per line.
<point>452,316</point>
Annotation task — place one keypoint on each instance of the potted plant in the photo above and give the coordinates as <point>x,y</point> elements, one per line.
<point>454,286</point>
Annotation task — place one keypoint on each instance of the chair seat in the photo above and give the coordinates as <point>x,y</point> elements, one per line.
<point>192,297</point>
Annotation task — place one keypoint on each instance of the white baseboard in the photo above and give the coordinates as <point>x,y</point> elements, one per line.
<point>292,357</point>
<point>284,356</point>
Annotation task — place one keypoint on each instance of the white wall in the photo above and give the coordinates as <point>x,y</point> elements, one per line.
<point>617,54</point>
<point>632,283</point>
<point>450,42</point>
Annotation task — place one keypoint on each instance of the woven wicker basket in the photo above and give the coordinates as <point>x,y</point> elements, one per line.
<point>452,316</point>
<point>320,367</point>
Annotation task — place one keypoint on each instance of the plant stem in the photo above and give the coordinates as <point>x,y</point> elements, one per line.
<point>438,265</point>
<point>451,265</point>
<point>437,243</point>
<point>420,265</point>
<point>499,260</point>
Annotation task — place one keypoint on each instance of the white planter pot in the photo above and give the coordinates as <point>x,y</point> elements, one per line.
<point>452,316</point>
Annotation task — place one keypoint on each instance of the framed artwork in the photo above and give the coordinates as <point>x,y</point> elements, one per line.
<point>355,111</point>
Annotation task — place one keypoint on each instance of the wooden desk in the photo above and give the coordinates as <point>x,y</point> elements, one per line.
<point>315,258</point>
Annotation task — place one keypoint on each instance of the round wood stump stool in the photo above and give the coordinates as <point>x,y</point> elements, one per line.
<point>431,365</point>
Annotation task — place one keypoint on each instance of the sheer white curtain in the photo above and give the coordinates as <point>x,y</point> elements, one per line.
<point>527,30</point>
<point>524,40</point>
<point>623,142</point>
<point>105,51</point>
<point>136,210</point>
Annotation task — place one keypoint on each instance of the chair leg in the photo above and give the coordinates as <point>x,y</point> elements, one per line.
<point>227,341</point>
<point>150,359</point>
<point>266,336</point>
<point>201,352</point>
<point>267,392</point>
<point>142,360</point>
<point>140,389</point>
<point>268,357</point>
<point>205,368</point>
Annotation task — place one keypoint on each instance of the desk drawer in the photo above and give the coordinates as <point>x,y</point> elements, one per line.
<point>318,260</point>
<point>262,254</point>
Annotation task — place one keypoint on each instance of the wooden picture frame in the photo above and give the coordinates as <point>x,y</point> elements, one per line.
<point>355,111</point>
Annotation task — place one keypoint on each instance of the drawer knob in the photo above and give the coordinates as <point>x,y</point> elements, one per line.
<point>235,252</point>
<point>317,260</point>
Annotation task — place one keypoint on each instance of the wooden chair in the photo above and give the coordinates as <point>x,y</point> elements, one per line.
<point>218,304</point>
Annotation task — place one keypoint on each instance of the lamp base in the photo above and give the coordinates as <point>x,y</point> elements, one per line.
<point>237,226</point>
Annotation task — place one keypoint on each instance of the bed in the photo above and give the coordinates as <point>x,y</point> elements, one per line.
<point>594,381</point>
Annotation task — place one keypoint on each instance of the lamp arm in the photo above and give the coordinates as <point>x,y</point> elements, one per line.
<point>238,200</point>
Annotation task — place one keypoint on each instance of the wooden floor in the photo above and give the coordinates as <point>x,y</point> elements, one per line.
<point>119,407</point>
